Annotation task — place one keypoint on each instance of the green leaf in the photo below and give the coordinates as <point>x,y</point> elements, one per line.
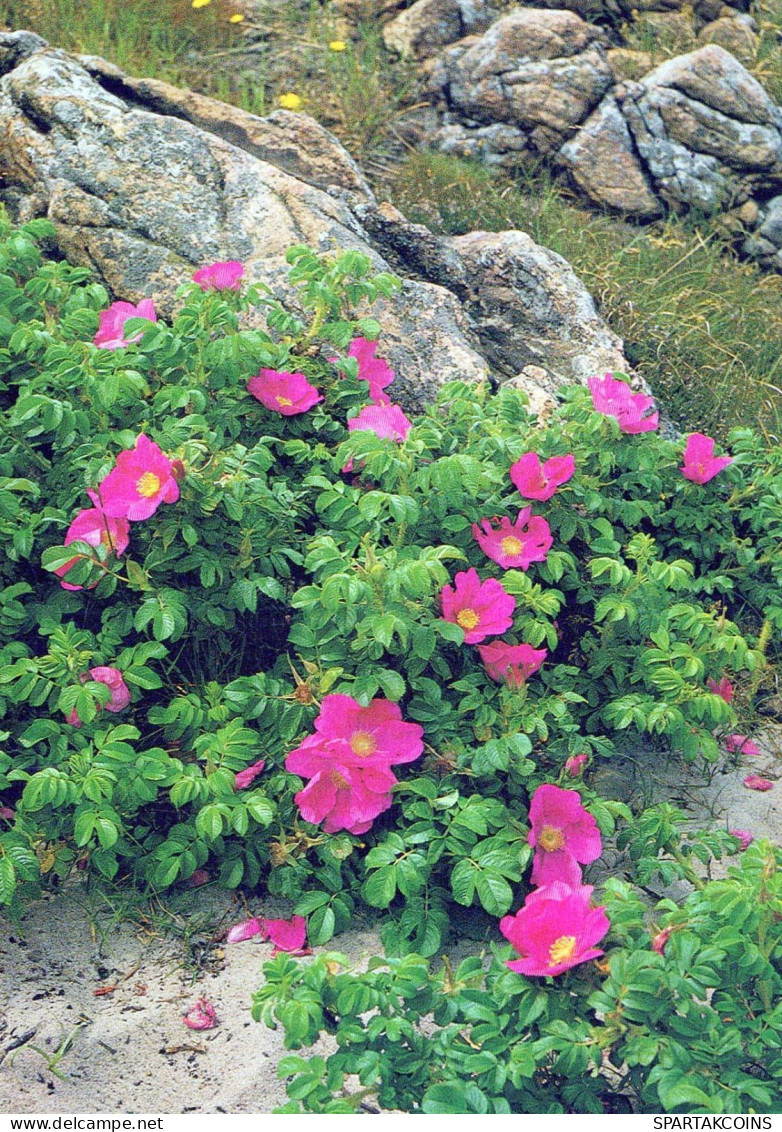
<point>463,882</point>
<point>380,887</point>
<point>320,925</point>
<point>392,684</point>
<point>7,880</point>
<point>494,893</point>
<point>445,1099</point>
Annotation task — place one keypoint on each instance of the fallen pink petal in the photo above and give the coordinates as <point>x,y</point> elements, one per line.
<point>246,930</point>
<point>202,1016</point>
<point>741,744</point>
<point>755,782</point>
<point>288,935</point>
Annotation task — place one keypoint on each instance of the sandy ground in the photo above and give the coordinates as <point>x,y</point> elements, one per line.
<point>130,1051</point>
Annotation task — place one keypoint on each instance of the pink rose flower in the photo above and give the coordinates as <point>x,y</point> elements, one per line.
<point>744,837</point>
<point>142,479</point>
<point>348,762</point>
<point>246,777</point>
<point>362,736</point>
<point>755,782</point>
<point>700,463</point>
<point>575,764</point>
<point>202,1016</point>
<point>112,678</point>
<point>563,835</point>
<point>721,687</point>
<point>283,392</point>
<point>511,664</point>
<point>539,481</point>
<point>113,320</point>
<point>614,398</point>
<point>741,744</point>
<point>482,609</point>
<point>342,797</point>
<point>386,420</point>
<point>94,526</point>
<point>516,544</point>
<point>375,371</point>
<point>220,276</point>
<point>555,930</point>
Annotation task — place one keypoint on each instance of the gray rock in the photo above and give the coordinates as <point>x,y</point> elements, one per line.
<point>604,163</point>
<point>421,30</point>
<point>712,76</point>
<point>531,309</point>
<point>541,72</point>
<point>144,196</point>
<point>705,128</point>
<point>293,142</point>
<point>765,243</point>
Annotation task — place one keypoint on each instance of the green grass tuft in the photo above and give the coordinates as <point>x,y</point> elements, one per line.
<point>702,327</point>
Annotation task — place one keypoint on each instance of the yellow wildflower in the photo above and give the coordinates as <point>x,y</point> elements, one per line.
<point>200,3</point>
<point>290,101</point>
<point>338,45</point>
<point>236,18</point>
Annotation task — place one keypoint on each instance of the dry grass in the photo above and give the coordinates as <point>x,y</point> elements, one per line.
<point>703,328</point>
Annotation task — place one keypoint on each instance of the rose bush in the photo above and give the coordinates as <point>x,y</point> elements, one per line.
<point>344,671</point>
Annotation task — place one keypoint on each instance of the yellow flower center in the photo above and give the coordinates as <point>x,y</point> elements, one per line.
<point>511,546</point>
<point>283,401</point>
<point>467,619</point>
<point>551,839</point>
<point>339,781</point>
<point>362,743</point>
<point>148,485</point>
<point>561,950</point>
